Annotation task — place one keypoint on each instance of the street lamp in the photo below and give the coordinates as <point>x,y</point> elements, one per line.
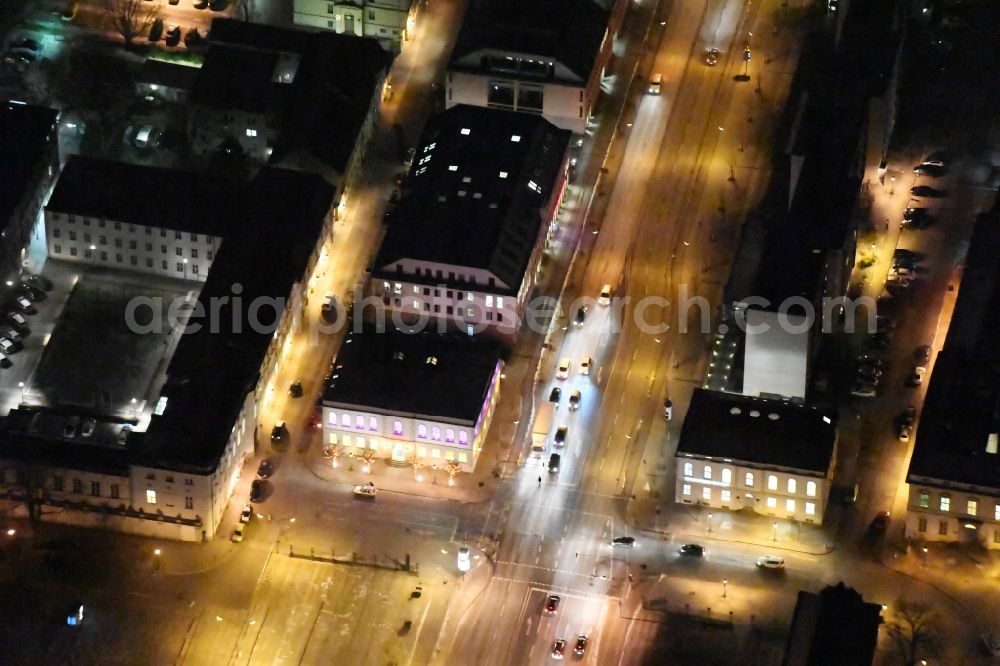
<point>156,560</point>
<point>20,385</point>
<point>710,522</point>
<point>892,185</point>
<point>133,407</point>
<point>775,525</point>
<point>185,262</point>
<point>93,254</point>
<point>725,581</point>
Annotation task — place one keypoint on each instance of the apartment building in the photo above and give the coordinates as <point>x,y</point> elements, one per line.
<point>769,456</point>
<point>388,21</point>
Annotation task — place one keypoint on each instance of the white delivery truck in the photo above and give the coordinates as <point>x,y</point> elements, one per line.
<point>541,427</point>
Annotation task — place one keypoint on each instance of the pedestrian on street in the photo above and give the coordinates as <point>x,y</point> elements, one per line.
<point>539,480</point>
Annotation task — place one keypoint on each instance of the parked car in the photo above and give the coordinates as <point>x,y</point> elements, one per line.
<point>238,533</point>
<point>913,213</point>
<point>863,391</point>
<point>574,401</point>
<point>692,550</point>
<point>4,361</point>
<point>580,316</point>
<point>552,604</point>
<point>265,469</point>
<point>881,521</point>
<point>655,83</point>
<point>8,347</point>
<point>123,434</point>
<point>555,394</point>
<point>932,170</point>
<point>771,562</point>
<point>562,372</point>
<point>87,430</point>
<point>585,365</point>
<point>10,333</point>
<point>25,43</point>
<point>625,541</point>
<point>464,560</point>
<point>605,297</point>
<point>926,191</point>
<point>712,57</point>
<point>18,321</point>
<point>917,376</point>
<point>851,494</point>
<point>24,305</point>
<point>991,643</point>
<point>328,310</point>
<point>246,513</point>
<point>558,648</point>
<point>366,491</point>
<point>295,389</point>
<point>560,437</point>
<point>256,490</point>
<point>581,645</point>
<point>279,432</point>
<point>903,432</point>
<point>902,252</point>
<point>72,423</point>
<point>922,355</point>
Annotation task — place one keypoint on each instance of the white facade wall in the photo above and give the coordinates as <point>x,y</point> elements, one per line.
<point>787,494</point>
<point>461,308</point>
<point>385,20</point>
<point>965,515</point>
<point>133,247</point>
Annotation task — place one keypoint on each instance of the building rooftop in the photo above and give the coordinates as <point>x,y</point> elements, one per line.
<point>37,435</point>
<point>24,133</point>
<point>760,431</point>
<point>569,32</point>
<point>238,78</point>
<point>441,377</point>
<point>957,437</point>
<point>209,376</point>
<point>144,195</point>
<point>167,74</point>
<point>479,183</point>
<point>833,628</point>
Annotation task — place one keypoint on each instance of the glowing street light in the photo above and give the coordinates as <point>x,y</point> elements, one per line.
<point>725,581</point>
<point>775,525</point>
<point>709,522</point>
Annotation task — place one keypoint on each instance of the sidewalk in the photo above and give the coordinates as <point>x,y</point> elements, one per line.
<point>692,523</point>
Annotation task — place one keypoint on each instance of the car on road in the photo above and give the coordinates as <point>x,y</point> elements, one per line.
<point>903,432</point>
<point>464,560</point>
<point>692,550</point>
<point>147,136</point>
<point>917,376</point>
<point>922,354</point>
<point>256,490</point>
<point>560,437</point>
<point>712,57</point>
<point>580,316</point>
<point>926,191</point>
<point>18,321</point>
<point>123,434</point>
<point>72,423</point>
<point>581,645</point>
<point>554,460</point>
<point>246,513</point>
<point>881,521</point>
<point>605,297</point>
<point>929,170</point>
<point>913,213</point>
<point>558,648</point>
<point>903,252</point>
<point>4,361</point>
<point>655,83</point>
<point>366,491</point>
<point>585,365</point>
<point>329,307</point>
<point>238,533</point>
<point>24,43</point>
<point>771,562</point>
<point>295,389</point>
<point>668,409</point>
<point>173,35</point>
<point>265,469</point>
<point>279,432</point>
<point>851,494</point>
<point>8,347</point>
<point>552,604</point>
<point>562,372</point>
<point>25,306</point>
<point>89,424</point>
<point>933,163</point>
<point>574,401</point>
<point>625,541</point>
<point>555,394</point>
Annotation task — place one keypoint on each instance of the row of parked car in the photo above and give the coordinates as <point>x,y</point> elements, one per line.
<point>15,327</point>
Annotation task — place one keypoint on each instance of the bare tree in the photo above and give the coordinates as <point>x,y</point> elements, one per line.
<point>913,631</point>
<point>129,18</point>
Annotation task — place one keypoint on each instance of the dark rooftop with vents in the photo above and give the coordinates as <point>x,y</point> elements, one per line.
<point>758,430</point>
<point>443,377</point>
<point>567,31</point>
<point>962,409</point>
<point>479,183</point>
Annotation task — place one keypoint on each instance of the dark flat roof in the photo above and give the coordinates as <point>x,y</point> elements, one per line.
<point>168,74</point>
<point>833,628</point>
<point>962,408</point>
<point>144,195</point>
<point>209,376</point>
<point>568,31</point>
<point>24,132</point>
<point>474,195</point>
<point>391,372</point>
<point>238,78</point>
<point>722,425</point>
<point>36,435</point>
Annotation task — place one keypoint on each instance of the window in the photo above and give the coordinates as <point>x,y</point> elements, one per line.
<point>194,269</point>
<point>188,503</point>
<point>706,493</point>
<point>194,237</point>
<point>706,473</point>
<point>500,93</point>
<point>118,242</point>
<point>435,453</point>
<point>996,511</point>
<point>970,506</point>
<point>359,422</point>
<point>686,489</point>
<point>178,235</point>
<point>118,226</point>
<point>57,232</point>
<point>118,258</point>
<point>463,438</point>
<point>421,451</point>
<point>372,423</point>
<point>178,251</point>
<point>436,434</point>
<point>150,496</point>
<point>748,480</point>
<point>132,245</point>
<point>727,476</point>
<point>924,499</point>
<point>449,435</point>
<point>790,506</point>
<point>134,260</point>
<point>397,428</point>
<point>810,508</point>
<point>104,240</point>
<point>72,252</point>
<point>792,484</point>
<point>811,488</point>
<point>945,504</point>
<point>77,486</point>
<point>163,264</point>
<point>772,482</point>
<point>463,457</point>
<point>57,483</point>
<point>726,496</point>
<point>345,420</point>
<point>95,488</point>
<point>58,249</point>
<point>942,528</point>
<point>771,502</point>
<point>422,431</point>
<point>149,262</point>
<point>72,235</point>
<point>115,491</point>
<point>688,469</point>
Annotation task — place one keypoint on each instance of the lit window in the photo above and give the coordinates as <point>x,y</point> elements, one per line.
<point>452,167</point>
<point>463,437</point>
<point>150,497</point>
<point>726,496</point>
<point>422,451</point>
<point>469,296</point>
<point>924,500</point>
<point>790,506</point>
<point>416,304</point>
<point>515,138</point>
<point>970,507</point>
<point>251,132</point>
<point>449,435</point>
<point>945,503</point>
<point>792,484</point>
<point>333,438</point>
<point>921,524</point>
<point>331,418</point>
<point>503,174</point>
<point>489,301</point>
<point>811,488</point>
<point>466,131</point>
<point>436,434</point>
<point>435,453</point>
<point>748,480</point>
<point>345,420</point>
<point>499,302</point>
<point>707,472</point>
<point>372,423</point>
<point>686,489</point>
<point>449,455</point>
<point>416,289</point>
<point>463,457</point>
<point>810,508</point>
<point>688,469</point>
<point>771,503</point>
<point>996,512</point>
<point>727,476</point>
<point>422,431</point>
<point>359,422</point>
<point>397,428</point>
<point>706,493</point>
<point>772,482</point>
